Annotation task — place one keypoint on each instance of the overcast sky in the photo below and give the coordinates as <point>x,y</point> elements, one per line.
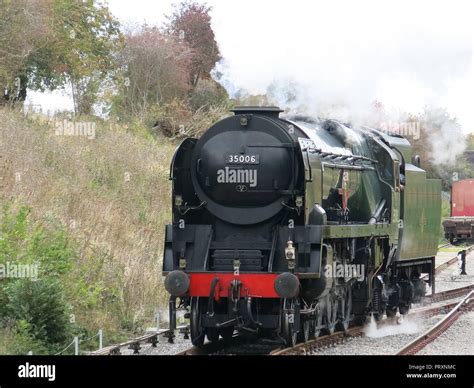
<point>406,54</point>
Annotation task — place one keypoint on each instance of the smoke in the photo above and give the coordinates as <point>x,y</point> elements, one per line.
<point>405,325</point>
<point>359,62</point>
<point>447,144</point>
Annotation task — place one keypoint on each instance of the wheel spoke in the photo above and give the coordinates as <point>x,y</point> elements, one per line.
<point>346,309</point>
<point>318,321</point>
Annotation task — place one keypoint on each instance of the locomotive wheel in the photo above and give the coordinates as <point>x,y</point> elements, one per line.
<point>377,316</point>
<point>403,309</point>
<point>288,330</point>
<point>346,309</point>
<point>360,320</point>
<point>212,334</point>
<point>197,332</point>
<point>391,311</point>
<point>317,321</point>
<point>304,333</point>
<point>331,314</point>
<point>227,333</point>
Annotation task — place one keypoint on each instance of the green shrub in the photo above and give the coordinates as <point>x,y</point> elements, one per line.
<point>23,242</point>
<point>20,340</point>
<point>42,305</point>
<point>34,309</point>
<point>13,227</point>
<point>208,93</point>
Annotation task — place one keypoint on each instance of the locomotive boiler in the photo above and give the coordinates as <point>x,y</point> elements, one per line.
<point>287,227</point>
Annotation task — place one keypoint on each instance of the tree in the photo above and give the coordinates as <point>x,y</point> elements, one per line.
<point>470,141</point>
<point>191,23</point>
<point>155,71</point>
<point>84,40</point>
<point>440,132</point>
<point>208,93</point>
<point>71,42</point>
<point>23,31</point>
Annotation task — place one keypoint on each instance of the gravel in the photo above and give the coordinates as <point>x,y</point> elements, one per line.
<point>383,340</point>
<point>449,278</point>
<point>457,339</point>
<point>162,347</point>
<point>388,339</point>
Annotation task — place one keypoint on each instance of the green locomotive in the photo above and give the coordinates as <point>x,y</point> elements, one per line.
<point>285,227</point>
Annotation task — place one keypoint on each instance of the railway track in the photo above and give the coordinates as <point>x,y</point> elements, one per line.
<point>208,348</point>
<point>237,346</point>
<point>451,261</point>
<point>135,343</point>
<point>449,294</point>
<point>356,331</point>
<point>320,342</point>
<point>435,331</point>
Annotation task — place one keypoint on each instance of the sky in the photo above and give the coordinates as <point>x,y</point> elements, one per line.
<point>405,54</point>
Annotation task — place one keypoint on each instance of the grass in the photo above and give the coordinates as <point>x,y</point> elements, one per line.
<point>112,194</point>
<point>455,249</point>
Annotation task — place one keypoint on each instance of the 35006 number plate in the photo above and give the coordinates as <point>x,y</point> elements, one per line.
<point>242,159</point>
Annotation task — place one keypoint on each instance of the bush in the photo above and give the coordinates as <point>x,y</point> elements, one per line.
<point>208,93</point>
<point>169,119</point>
<point>34,309</point>
<point>19,340</point>
<point>42,306</point>
<point>24,242</point>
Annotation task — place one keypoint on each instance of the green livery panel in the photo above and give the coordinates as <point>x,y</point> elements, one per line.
<point>421,214</point>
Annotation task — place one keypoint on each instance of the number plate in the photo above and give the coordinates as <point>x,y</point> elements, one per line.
<point>242,159</point>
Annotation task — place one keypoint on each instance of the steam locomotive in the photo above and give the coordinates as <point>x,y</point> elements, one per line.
<point>287,227</point>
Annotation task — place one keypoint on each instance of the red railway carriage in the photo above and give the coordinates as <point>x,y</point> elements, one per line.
<point>461,223</point>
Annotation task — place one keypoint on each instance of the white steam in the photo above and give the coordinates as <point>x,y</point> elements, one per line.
<point>334,59</point>
<point>404,326</point>
<point>447,144</point>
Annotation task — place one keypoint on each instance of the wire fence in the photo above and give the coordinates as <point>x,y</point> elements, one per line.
<point>76,342</point>
<point>100,334</point>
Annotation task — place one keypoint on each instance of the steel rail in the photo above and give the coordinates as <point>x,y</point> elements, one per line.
<point>435,331</point>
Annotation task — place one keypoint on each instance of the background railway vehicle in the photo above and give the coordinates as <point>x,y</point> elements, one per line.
<point>460,226</point>
<point>289,227</point>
